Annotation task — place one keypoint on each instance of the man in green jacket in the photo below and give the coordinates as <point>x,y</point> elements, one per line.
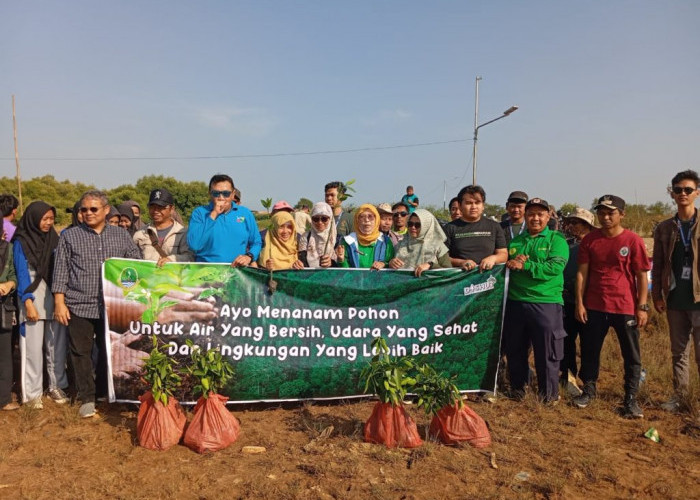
<point>534,308</point>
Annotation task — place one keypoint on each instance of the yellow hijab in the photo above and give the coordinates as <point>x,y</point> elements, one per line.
<point>366,239</point>
<point>282,253</point>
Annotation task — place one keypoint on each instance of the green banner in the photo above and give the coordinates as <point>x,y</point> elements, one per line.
<point>308,334</point>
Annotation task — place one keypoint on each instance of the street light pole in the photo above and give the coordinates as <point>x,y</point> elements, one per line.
<point>507,112</point>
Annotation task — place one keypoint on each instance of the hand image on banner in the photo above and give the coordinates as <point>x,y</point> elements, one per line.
<point>311,337</point>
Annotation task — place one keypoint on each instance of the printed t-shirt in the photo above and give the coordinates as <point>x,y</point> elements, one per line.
<point>474,240</point>
<point>612,267</point>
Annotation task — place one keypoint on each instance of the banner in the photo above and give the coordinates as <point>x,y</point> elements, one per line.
<point>300,334</point>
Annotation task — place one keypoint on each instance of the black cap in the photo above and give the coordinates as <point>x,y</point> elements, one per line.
<point>537,202</point>
<point>611,201</point>
<point>517,197</point>
<point>161,197</point>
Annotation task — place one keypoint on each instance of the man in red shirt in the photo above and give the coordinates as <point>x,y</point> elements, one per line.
<point>611,291</point>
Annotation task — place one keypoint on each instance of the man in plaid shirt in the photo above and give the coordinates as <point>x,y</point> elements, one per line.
<point>77,288</point>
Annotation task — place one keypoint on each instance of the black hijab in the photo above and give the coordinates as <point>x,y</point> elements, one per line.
<point>125,211</point>
<point>37,245</point>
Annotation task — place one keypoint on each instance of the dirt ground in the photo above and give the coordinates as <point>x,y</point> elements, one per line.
<point>537,452</point>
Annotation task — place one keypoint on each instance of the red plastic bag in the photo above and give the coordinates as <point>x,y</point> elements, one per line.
<point>159,427</point>
<point>391,426</point>
<point>453,424</point>
<point>213,427</point>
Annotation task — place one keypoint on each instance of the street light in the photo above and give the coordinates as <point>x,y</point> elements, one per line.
<point>507,112</point>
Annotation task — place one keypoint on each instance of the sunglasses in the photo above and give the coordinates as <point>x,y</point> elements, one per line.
<point>94,210</point>
<point>685,190</point>
<point>400,214</point>
<point>218,194</point>
<point>413,224</point>
<point>320,218</point>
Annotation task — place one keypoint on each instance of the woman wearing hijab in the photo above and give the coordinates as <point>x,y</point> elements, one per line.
<point>135,210</point>
<point>423,247</point>
<point>280,250</point>
<point>113,217</point>
<point>366,246</point>
<point>126,219</point>
<point>316,246</point>
<point>34,243</point>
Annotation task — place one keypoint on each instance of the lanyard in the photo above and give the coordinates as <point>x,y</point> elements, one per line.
<point>510,227</point>
<point>685,238</point>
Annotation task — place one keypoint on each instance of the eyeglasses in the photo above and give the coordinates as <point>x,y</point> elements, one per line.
<point>413,224</point>
<point>685,190</point>
<point>94,210</point>
<point>320,218</point>
<point>367,217</point>
<point>218,194</point>
<point>400,214</point>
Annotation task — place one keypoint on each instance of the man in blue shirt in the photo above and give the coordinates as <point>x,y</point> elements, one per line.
<point>223,231</point>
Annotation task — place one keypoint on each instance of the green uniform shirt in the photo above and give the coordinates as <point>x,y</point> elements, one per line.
<point>541,280</point>
<point>367,254</point>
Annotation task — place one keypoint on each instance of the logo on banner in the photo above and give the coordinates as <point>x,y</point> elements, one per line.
<point>487,285</point>
<point>128,277</point>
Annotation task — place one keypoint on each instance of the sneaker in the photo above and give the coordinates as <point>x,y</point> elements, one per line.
<point>517,395</point>
<point>672,405</point>
<point>489,397</point>
<point>583,400</point>
<point>632,409</point>
<point>570,386</point>
<point>551,402</point>
<point>11,406</point>
<point>35,404</point>
<point>58,396</point>
<point>87,410</point>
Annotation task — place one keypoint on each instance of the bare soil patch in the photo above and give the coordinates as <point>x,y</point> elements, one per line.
<point>539,452</point>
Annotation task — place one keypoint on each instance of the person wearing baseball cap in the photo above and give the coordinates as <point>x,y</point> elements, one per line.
<point>577,225</point>
<point>611,291</point>
<point>534,314</point>
<point>514,224</point>
<point>164,239</point>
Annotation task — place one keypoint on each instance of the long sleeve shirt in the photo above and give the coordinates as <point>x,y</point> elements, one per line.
<point>541,281</point>
<point>78,267</point>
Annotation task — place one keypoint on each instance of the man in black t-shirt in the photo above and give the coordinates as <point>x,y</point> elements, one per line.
<point>474,240</point>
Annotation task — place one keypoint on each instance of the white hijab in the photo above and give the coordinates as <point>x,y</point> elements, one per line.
<point>320,243</point>
<point>428,246</point>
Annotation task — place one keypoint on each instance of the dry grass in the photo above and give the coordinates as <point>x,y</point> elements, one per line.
<point>566,452</point>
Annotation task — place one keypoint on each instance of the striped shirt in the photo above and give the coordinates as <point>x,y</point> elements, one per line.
<point>78,267</point>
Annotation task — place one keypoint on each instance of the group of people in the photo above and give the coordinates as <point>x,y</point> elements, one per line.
<point>576,281</point>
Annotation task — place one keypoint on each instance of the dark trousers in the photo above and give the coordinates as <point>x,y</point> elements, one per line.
<point>592,337</point>
<point>83,333</point>
<point>5,367</point>
<point>539,325</point>
<point>573,329</point>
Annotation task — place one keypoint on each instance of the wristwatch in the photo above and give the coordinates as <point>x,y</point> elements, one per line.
<point>644,307</point>
<point>248,254</point>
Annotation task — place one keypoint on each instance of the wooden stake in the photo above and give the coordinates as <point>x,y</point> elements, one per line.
<point>19,181</point>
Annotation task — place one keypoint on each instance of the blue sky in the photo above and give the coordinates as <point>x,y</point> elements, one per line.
<point>607,93</point>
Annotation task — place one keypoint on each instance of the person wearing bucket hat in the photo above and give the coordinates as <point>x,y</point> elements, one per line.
<point>386,220</point>
<point>534,315</point>
<point>611,291</point>
<point>676,281</point>
<point>577,225</point>
<point>515,207</point>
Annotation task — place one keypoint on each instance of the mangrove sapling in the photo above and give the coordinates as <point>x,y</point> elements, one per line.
<point>161,421</point>
<point>385,376</point>
<point>453,421</point>
<point>213,427</point>
<point>435,390</point>
<point>209,369</point>
<point>389,378</point>
<point>160,373</point>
